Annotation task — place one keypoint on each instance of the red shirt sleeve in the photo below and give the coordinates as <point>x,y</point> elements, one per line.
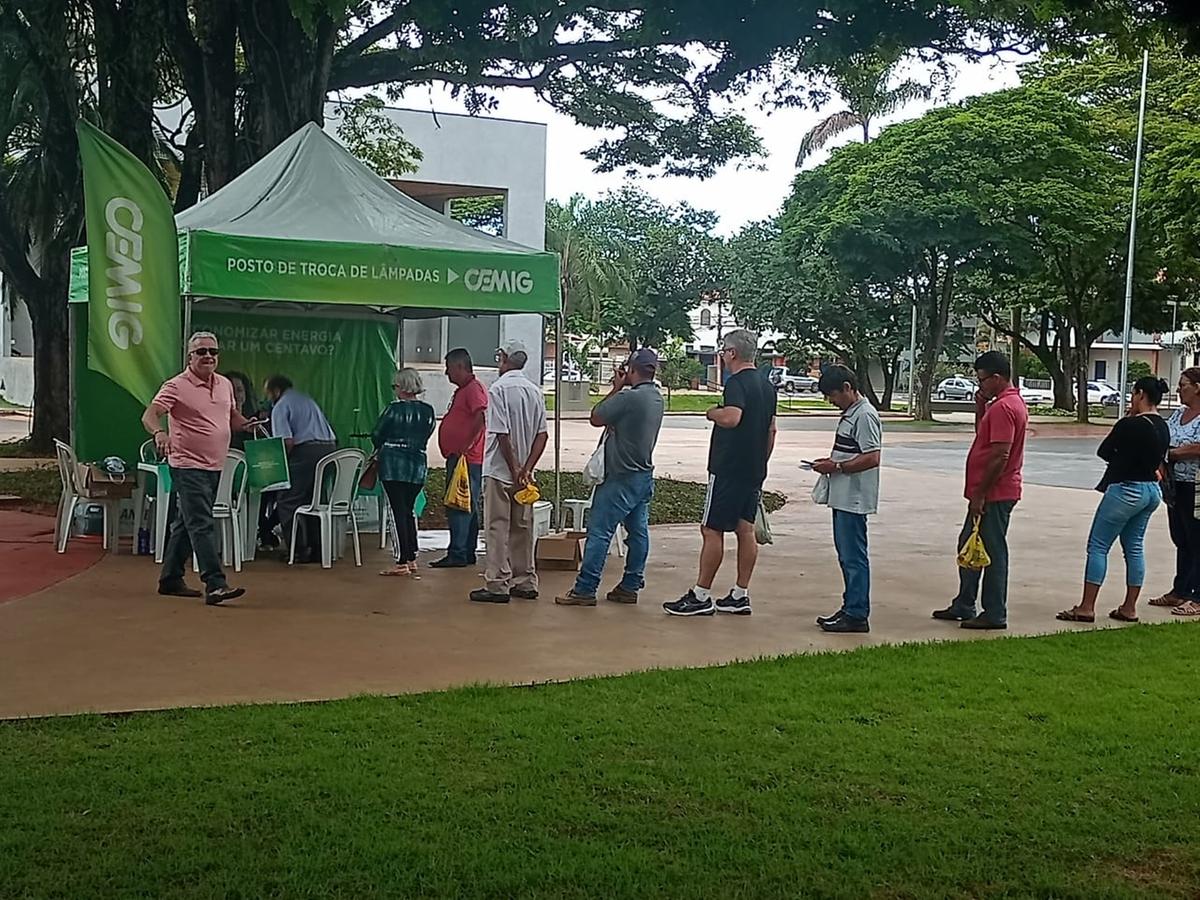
<point>477,399</point>
<point>1002,424</point>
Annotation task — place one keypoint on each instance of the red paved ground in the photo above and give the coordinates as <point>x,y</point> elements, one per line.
<point>28,562</point>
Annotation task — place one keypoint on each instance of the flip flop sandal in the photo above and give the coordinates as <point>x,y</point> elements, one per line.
<point>1191,609</point>
<point>396,572</point>
<point>1121,617</point>
<point>1070,615</point>
<point>1168,600</point>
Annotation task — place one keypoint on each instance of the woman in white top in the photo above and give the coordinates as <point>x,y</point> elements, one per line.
<point>1180,489</point>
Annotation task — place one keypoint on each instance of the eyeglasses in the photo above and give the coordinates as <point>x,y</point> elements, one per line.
<point>206,351</point>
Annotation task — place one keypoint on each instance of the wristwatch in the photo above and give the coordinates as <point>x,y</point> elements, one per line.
<point>841,470</point>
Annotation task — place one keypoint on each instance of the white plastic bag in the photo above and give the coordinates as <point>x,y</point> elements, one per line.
<point>820,491</point>
<point>593,472</point>
<point>762,525</point>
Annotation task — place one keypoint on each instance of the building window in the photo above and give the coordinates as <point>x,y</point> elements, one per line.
<point>705,318</point>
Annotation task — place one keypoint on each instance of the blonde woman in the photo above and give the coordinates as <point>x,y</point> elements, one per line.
<point>400,437</point>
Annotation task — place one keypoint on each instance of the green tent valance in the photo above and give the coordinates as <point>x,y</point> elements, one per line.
<point>309,223</point>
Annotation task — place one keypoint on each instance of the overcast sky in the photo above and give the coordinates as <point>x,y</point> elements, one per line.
<point>738,195</point>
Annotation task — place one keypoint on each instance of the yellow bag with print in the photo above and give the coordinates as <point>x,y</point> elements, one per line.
<point>973,554</point>
<point>458,491</point>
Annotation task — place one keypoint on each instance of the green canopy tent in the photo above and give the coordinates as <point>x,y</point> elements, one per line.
<point>309,255</point>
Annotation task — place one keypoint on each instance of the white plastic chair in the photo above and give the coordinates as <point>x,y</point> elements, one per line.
<point>228,509</point>
<point>576,510</point>
<point>148,467</point>
<point>72,494</point>
<point>348,465</point>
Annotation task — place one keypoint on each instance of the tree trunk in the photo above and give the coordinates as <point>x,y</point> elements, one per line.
<point>51,355</point>
<point>862,367</point>
<point>889,367</point>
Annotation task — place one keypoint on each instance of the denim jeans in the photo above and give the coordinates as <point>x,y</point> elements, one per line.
<point>1123,513</point>
<point>993,528</point>
<point>1185,535</point>
<point>193,529</point>
<point>464,526</point>
<point>619,500</point>
<point>850,541</point>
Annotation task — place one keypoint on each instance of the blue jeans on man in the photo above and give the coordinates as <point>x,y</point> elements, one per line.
<point>621,499</point>
<point>850,541</point>
<point>464,526</point>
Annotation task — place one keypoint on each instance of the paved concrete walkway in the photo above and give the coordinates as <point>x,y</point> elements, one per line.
<point>104,641</point>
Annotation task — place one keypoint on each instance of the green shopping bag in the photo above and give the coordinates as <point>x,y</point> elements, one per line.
<point>267,465</point>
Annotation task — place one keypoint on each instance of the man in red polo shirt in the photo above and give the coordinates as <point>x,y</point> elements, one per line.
<point>462,433</point>
<point>993,488</point>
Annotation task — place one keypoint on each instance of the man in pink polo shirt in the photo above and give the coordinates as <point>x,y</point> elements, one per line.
<point>993,488</point>
<point>201,414</point>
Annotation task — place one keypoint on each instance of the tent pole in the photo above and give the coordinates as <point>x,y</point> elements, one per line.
<point>187,324</point>
<point>558,363</point>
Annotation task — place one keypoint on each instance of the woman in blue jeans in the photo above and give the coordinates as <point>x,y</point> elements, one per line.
<point>1135,450</point>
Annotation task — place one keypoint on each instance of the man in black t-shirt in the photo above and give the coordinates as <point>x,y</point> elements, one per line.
<point>742,440</point>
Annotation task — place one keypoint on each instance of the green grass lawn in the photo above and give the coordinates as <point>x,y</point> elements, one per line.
<point>1063,766</point>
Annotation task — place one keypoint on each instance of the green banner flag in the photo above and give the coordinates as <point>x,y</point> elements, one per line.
<point>133,268</point>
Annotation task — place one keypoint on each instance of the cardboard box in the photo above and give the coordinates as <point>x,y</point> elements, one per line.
<point>97,484</point>
<point>560,551</point>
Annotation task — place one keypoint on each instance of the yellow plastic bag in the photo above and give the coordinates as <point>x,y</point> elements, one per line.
<point>973,554</point>
<point>458,491</point>
<point>528,495</point>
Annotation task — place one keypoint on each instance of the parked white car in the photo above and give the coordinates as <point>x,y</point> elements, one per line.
<point>958,387</point>
<point>1036,396</point>
<point>1102,393</point>
<point>791,384</point>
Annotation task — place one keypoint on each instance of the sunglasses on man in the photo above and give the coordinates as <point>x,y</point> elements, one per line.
<point>206,351</point>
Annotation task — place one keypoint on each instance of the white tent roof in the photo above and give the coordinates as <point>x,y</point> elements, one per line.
<point>311,188</point>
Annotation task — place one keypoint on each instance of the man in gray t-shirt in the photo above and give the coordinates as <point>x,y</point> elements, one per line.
<point>631,415</point>
<point>853,472</point>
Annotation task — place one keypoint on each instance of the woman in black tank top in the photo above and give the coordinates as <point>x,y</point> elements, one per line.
<point>1135,450</point>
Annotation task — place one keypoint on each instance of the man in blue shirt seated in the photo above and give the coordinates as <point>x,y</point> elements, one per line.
<point>306,434</point>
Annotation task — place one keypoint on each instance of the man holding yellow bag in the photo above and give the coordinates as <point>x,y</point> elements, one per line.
<point>993,487</point>
<point>516,438</point>
<point>460,438</point>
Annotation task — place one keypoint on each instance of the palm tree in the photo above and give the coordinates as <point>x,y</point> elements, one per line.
<point>592,267</point>
<point>863,87</point>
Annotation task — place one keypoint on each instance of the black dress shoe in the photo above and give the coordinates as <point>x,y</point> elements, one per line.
<point>825,620</point>
<point>483,595</point>
<point>983,623</point>
<point>847,625</point>
<point>447,563</point>
<point>954,613</point>
<point>525,593</point>
<point>177,590</point>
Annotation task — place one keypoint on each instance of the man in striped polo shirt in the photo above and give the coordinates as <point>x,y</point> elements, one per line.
<point>853,472</point>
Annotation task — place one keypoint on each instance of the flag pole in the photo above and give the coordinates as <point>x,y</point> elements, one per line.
<point>1137,172</point>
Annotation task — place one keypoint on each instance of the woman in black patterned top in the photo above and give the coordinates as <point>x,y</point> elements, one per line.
<point>400,437</point>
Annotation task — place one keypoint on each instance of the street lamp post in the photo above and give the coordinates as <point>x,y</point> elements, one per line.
<point>1137,172</point>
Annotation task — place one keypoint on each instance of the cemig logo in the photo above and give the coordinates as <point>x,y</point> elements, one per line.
<point>123,246</point>
<point>497,281</point>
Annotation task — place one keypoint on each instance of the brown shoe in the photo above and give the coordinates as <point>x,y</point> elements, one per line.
<point>570,598</point>
<point>621,595</point>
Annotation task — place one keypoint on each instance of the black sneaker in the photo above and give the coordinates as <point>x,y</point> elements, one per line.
<point>447,563</point>
<point>844,624</point>
<point>690,605</point>
<point>178,589</point>
<point>953,613</point>
<point>728,604</point>
<point>483,595</point>
<point>525,593</point>
<point>825,620</point>
<point>219,596</point>
<point>983,623</point>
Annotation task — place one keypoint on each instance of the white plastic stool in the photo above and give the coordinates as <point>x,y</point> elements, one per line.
<point>576,510</point>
